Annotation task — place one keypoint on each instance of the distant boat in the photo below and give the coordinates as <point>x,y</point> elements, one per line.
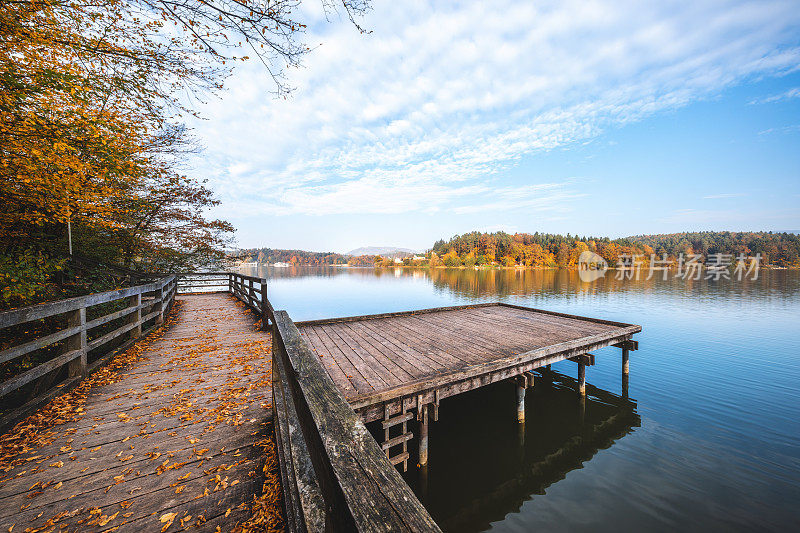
<point>281,265</point>
<point>253,264</point>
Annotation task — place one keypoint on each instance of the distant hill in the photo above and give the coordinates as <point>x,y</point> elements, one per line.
<point>383,251</point>
<point>359,257</point>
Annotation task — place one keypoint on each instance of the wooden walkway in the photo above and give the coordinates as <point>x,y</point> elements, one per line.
<point>441,352</point>
<point>168,443</point>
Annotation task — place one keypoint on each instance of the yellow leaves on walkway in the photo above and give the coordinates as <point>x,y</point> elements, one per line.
<point>153,454</point>
<point>167,519</point>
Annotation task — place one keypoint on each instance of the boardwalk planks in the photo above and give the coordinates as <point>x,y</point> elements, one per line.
<point>174,433</point>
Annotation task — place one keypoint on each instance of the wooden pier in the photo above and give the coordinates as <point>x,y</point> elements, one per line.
<point>328,379</point>
<point>389,364</point>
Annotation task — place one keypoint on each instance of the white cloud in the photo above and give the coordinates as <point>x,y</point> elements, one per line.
<point>792,128</point>
<point>724,195</point>
<point>425,112</point>
<point>786,95</point>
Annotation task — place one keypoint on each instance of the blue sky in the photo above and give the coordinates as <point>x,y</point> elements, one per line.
<point>603,118</point>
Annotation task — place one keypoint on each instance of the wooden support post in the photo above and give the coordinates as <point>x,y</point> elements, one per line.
<point>160,305</point>
<point>230,283</point>
<point>404,427</point>
<point>77,367</point>
<point>423,483</point>
<point>136,316</point>
<point>264,306</point>
<point>251,294</point>
<point>582,377</point>
<point>386,427</point>
<point>625,386</point>
<point>521,399</point>
<point>625,365</point>
<point>423,437</point>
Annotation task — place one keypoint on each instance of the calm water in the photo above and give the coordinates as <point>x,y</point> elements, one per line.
<point>711,440</point>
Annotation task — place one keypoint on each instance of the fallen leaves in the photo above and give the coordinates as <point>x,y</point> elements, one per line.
<point>219,388</point>
<point>266,511</point>
<point>167,520</point>
<point>106,519</point>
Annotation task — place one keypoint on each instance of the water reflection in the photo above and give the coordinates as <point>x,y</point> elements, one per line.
<point>484,465</point>
<point>481,284</point>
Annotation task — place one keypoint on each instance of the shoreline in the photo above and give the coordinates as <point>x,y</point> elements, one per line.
<point>477,268</point>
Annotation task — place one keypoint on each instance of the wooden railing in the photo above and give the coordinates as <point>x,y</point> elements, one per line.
<point>84,325</point>
<point>334,475</point>
<point>251,290</point>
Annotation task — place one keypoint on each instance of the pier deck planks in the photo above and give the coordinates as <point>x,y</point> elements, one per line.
<point>376,358</point>
<point>198,396</point>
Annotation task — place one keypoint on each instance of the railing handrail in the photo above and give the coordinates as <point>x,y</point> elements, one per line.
<point>335,475</point>
<point>73,343</point>
<point>251,290</point>
<point>15,317</point>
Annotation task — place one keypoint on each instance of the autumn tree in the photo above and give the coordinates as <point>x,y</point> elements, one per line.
<point>92,95</point>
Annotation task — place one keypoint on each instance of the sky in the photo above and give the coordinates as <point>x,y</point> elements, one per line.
<point>602,118</point>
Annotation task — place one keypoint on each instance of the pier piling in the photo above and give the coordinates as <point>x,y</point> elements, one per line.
<point>521,399</point>
<point>423,437</point>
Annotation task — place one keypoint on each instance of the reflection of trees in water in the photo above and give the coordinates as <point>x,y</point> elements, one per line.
<point>481,283</point>
<point>518,282</point>
<point>565,282</point>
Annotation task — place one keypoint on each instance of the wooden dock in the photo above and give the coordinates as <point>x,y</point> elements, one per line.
<point>171,439</point>
<point>376,358</point>
<point>390,364</point>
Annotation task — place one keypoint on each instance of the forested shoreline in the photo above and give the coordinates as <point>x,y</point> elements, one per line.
<point>545,250</point>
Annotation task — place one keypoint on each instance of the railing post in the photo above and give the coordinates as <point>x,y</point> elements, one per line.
<point>251,294</point>
<point>264,306</point>
<point>173,291</point>
<point>230,283</point>
<point>160,304</point>
<point>77,367</point>
<point>136,316</point>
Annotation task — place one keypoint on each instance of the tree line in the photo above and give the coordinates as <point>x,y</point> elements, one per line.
<point>560,251</point>
<point>550,250</point>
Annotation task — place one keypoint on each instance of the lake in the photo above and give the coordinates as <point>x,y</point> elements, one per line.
<point>710,439</point>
